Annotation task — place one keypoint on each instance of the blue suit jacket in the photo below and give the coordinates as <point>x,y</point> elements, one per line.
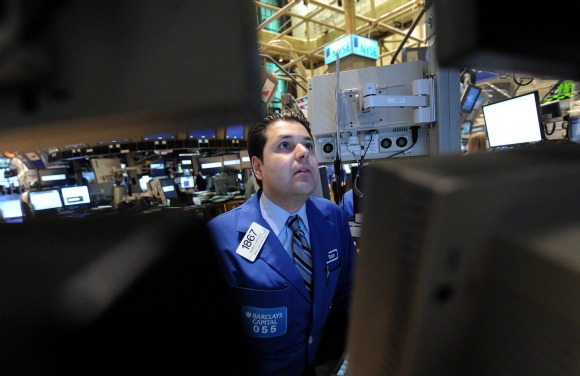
<point>280,318</point>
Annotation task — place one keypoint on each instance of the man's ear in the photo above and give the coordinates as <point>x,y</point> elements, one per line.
<point>257,167</point>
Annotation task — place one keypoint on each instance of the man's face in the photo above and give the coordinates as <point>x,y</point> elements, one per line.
<point>289,169</point>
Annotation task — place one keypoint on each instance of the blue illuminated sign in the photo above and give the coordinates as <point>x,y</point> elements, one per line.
<point>343,47</point>
<point>365,47</point>
<point>351,45</point>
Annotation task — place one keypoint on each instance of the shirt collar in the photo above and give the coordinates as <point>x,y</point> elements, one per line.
<point>276,216</point>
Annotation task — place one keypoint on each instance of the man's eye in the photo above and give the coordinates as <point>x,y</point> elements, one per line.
<point>309,146</point>
<point>284,145</point>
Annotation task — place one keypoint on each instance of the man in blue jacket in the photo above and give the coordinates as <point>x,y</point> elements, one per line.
<point>286,311</point>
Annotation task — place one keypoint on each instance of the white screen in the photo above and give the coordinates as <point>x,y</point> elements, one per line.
<point>75,195</point>
<point>513,121</point>
<point>41,200</point>
<point>186,182</point>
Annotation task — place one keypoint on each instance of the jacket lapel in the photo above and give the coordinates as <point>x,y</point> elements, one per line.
<point>273,252</point>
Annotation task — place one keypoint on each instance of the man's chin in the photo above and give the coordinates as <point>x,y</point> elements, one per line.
<point>305,189</point>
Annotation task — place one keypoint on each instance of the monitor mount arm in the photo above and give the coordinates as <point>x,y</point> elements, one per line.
<point>422,100</point>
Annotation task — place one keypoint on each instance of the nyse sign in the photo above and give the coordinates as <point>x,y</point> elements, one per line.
<point>351,45</point>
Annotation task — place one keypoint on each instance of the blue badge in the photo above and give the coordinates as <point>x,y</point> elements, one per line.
<point>264,322</point>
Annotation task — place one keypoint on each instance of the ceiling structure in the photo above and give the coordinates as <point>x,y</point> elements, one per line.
<point>305,27</point>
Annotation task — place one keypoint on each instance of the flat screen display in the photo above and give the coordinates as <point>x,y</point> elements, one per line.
<point>160,136</point>
<point>53,177</point>
<point>551,110</point>
<point>157,169</point>
<point>168,188</point>
<point>235,132</point>
<point>514,121</point>
<point>245,159</point>
<point>211,165</point>
<point>466,129</point>
<point>186,182</point>
<point>302,103</point>
<point>232,163</point>
<point>203,134</point>
<point>78,195</point>
<point>44,200</point>
<point>225,184</point>
<point>469,98</point>
<point>4,162</point>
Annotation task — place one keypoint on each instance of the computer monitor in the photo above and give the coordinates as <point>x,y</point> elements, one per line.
<point>150,69</point>
<point>225,184</point>
<point>551,111</point>
<point>110,292</point>
<point>5,162</point>
<point>75,196</point>
<point>466,127</point>
<point>202,134</point>
<point>168,188</point>
<point>186,182</point>
<point>323,187</point>
<point>235,132</point>
<point>157,168</point>
<point>469,98</point>
<point>186,162</point>
<point>514,121</point>
<point>143,180</point>
<point>211,165</point>
<point>232,163</point>
<point>574,129</point>
<point>53,177</point>
<point>45,200</point>
<point>469,265</point>
<point>160,137</point>
<point>245,159</point>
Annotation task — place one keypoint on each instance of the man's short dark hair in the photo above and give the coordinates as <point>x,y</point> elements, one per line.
<point>257,132</point>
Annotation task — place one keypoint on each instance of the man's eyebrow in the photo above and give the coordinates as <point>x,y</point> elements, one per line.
<point>286,136</point>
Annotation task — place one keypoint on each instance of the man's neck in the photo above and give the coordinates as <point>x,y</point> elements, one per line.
<point>291,204</point>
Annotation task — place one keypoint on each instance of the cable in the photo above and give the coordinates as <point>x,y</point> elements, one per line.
<point>355,189</point>
<point>549,133</point>
<point>409,32</point>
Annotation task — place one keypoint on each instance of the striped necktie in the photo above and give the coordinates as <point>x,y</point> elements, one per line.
<point>301,251</point>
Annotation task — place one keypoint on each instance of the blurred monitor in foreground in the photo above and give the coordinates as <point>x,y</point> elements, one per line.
<point>469,265</point>
<point>122,59</point>
<point>467,38</point>
<point>87,296</point>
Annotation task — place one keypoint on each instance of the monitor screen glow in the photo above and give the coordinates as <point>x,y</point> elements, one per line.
<point>53,177</point>
<point>44,200</point>
<point>186,182</point>
<point>203,134</point>
<point>302,103</point>
<point>168,188</point>
<point>469,98</point>
<point>211,165</point>
<point>235,132</point>
<point>245,159</point>
<point>514,121</point>
<point>232,163</point>
<point>78,195</point>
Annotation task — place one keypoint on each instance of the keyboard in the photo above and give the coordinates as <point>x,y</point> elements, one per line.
<point>220,198</point>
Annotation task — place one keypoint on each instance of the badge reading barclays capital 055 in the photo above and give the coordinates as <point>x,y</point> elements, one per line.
<point>252,242</point>
<point>264,322</point>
